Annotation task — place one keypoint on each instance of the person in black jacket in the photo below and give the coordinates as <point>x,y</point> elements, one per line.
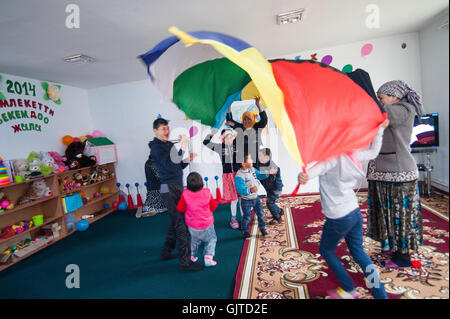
<point>169,164</point>
<point>248,138</point>
<point>228,153</point>
<point>153,203</point>
<point>273,184</point>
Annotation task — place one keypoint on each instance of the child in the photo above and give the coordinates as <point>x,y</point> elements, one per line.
<point>227,151</point>
<point>337,177</point>
<point>246,181</point>
<point>273,184</point>
<point>198,204</point>
<point>170,168</point>
<point>153,203</point>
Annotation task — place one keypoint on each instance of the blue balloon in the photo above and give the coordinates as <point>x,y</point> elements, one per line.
<point>82,225</point>
<point>123,206</point>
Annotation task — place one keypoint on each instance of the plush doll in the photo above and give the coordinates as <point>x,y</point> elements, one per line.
<point>48,161</point>
<point>59,161</point>
<point>38,189</point>
<point>94,178</point>
<point>75,154</point>
<point>37,167</point>
<point>78,179</point>
<point>105,173</point>
<point>21,167</point>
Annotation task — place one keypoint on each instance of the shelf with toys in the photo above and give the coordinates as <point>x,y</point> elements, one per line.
<point>34,209</point>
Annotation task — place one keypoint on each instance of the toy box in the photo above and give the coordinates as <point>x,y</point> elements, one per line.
<point>102,148</point>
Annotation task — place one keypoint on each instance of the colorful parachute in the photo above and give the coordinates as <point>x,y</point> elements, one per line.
<point>320,112</point>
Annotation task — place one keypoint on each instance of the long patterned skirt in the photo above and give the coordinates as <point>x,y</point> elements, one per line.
<point>154,203</point>
<point>394,215</point>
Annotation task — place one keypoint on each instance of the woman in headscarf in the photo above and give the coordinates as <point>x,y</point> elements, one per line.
<point>394,215</point>
<point>248,137</point>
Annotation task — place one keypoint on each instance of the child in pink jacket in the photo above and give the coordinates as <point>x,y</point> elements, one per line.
<point>198,204</point>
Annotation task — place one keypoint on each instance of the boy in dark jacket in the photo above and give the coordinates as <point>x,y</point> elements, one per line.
<point>168,162</point>
<point>273,184</point>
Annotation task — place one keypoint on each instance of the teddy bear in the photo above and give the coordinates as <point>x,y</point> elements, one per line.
<point>76,158</point>
<point>38,189</point>
<point>21,167</point>
<point>37,167</point>
<point>78,179</point>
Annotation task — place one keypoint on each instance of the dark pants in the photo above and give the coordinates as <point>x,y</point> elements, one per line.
<point>350,228</point>
<point>271,203</point>
<point>247,206</point>
<point>178,231</point>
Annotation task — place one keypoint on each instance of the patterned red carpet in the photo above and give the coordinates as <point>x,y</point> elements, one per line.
<point>287,265</point>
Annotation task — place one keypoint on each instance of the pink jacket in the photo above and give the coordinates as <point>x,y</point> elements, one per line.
<point>198,208</point>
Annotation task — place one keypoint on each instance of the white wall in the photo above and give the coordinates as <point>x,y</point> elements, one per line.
<point>125,112</point>
<point>71,117</point>
<point>434,57</point>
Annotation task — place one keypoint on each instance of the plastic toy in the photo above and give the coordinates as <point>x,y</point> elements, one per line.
<point>104,190</point>
<point>82,225</point>
<point>123,206</point>
<point>218,194</point>
<point>138,196</point>
<point>130,198</point>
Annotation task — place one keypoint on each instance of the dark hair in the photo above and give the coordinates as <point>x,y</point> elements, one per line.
<point>158,122</point>
<point>266,151</point>
<point>246,155</point>
<point>194,182</point>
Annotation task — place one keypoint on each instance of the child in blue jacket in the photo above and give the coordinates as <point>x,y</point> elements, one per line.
<point>247,182</point>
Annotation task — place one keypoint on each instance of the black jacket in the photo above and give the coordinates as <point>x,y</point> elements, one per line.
<point>273,183</point>
<point>169,171</point>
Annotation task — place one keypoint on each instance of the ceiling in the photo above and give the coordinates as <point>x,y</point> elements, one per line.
<point>34,38</point>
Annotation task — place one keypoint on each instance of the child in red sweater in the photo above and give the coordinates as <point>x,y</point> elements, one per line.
<point>198,204</point>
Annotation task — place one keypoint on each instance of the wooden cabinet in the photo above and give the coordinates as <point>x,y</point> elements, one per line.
<point>98,201</point>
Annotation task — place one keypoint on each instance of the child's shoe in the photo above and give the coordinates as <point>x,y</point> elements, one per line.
<point>264,233</point>
<point>209,262</point>
<point>234,224</point>
<point>194,259</point>
<point>340,293</point>
<point>247,235</point>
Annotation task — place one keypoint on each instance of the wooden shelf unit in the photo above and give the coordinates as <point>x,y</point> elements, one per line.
<point>52,208</point>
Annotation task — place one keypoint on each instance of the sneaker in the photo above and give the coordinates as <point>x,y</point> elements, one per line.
<point>194,259</point>
<point>340,293</point>
<point>209,262</point>
<point>192,267</point>
<point>234,224</point>
<point>275,221</point>
<point>247,235</point>
<point>264,233</point>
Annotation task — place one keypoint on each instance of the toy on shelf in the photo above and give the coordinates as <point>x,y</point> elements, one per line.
<point>5,203</point>
<point>138,196</point>
<point>4,177</point>
<point>21,168</point>
<point>59,161</point>
<point>36,167</point>
<point>37,190</point>
<point>76,158</point>
<point>130,198</point>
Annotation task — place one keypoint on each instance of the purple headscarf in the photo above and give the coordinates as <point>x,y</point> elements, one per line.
<point>402,90</point>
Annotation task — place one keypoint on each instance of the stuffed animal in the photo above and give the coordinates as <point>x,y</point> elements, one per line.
<point>105,173</point>
<point>37,167</point>
<point>48,161</point>
<point>75,155</point>
<point>21,167</point>
<point>59,161</point>
<point>85,178</point>
<point>94,178</point>
<point>38,189</point>
<point>78,179</point>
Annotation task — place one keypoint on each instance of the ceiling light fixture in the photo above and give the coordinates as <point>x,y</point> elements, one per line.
<point>79,59</point>
<point>290,17</point>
